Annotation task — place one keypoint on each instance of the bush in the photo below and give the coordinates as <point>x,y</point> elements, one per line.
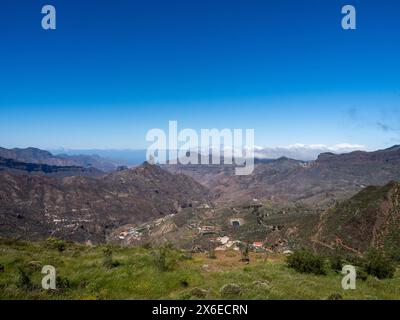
<point>244,252</point>
<point>198,293</point>
<point>231,289</point>
<point>24,279</point>
<point>35,265</point>
<point>353,260</point>
<point>304,261</point>
<point>336,263</point>
<point>361,274</point>
<point>335,296</point>
<point>1,268</point>
<point>262,284</point>
<point>211,250</point>
<point>62,283</point>
<point>165,258</point>
<point>378,265</point>
<point>108,261</point>
<point>55,243</point>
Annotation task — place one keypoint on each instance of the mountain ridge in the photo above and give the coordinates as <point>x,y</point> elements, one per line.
<point>84,208</point>
<point>19,167</point>
<point>39,156</point>
<point>329,178</point>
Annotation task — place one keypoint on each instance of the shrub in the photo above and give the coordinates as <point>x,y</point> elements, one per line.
<point>35,265</point>
<point>1,268</point>
<point>83,283</point>
<point>361,274</point>
<point>62,283</point>
<point>24,279</point>
<point>159,256</point>
<point>304,261</point>
<point>336,263</point>
<point>60,245</point>
<point>108,261</point>
<point>353,260</point>
<point>262,284</point>
<point>198,293</point>
<point>211,250</point>
<point>335,296</point>
<point>55,243</point>
<point>231,289</point>
<point>165,258</point>
<point>378,265</point>
<point>244,252</point>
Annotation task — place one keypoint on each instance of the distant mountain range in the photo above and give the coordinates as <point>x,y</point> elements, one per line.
<point>109,159</point>
<point>330,177</point>
<point>127,157</point>
<point>38,156</point>
<point>304,152</point>
<point>18,167</point>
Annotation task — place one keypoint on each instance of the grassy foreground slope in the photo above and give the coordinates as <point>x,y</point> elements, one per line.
<point>141,273</point>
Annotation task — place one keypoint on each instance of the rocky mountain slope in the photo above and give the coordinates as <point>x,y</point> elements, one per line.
<point>82,208</point>
<point>369,219</point>
<point>329,178</point>
<point>280,204</point>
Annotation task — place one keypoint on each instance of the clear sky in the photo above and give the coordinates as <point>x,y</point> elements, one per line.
<point>115,69</point>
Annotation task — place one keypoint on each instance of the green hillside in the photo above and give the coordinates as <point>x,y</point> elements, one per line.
<point>371,218</point>
<point>101,272</point>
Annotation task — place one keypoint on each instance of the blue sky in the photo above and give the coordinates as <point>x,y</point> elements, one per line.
<point>115,69</point>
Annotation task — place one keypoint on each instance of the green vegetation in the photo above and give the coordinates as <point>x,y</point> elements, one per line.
<point>370,214</point>
<point>374,263</point>
<point>168,273</point>
<point>108,261</point>
<point>54,243</point>
<point>378,265</point>
<point>305,261</point>
<point>244,251</point>
<point>336,262</point>
<point>24,280</point>
<point>165,257</point>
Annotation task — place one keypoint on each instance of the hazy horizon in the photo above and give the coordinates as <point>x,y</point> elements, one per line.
<point>137,156</point>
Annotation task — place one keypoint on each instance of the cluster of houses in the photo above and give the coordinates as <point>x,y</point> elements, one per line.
<point>225,243</point>
<point>131,234</point>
